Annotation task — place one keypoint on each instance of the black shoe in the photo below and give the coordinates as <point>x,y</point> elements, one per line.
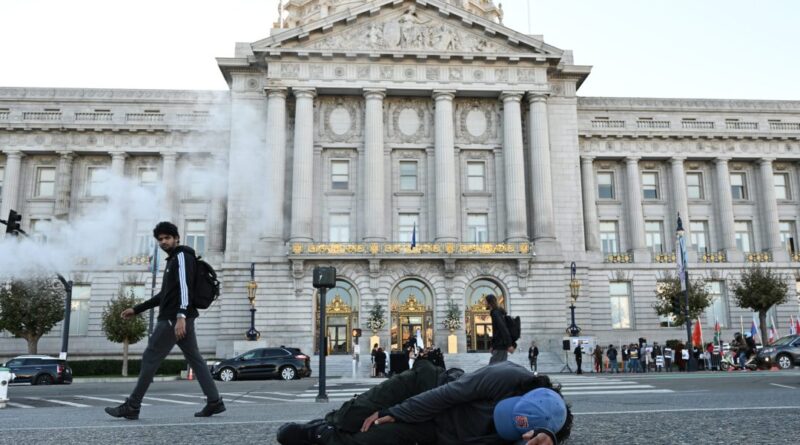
<point>125,410</point>
<point>211,408</point>
<point>299,434</point>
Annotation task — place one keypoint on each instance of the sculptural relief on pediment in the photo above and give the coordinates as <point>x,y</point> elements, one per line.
<point>409,29</point>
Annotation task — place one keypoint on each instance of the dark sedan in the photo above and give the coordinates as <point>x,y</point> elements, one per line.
<point>785,352</point>
<point>286,363</point>
<point>39,370</point>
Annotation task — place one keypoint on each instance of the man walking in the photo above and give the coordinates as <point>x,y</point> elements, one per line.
<point>501,337</point>
<point>533,357</point>
<point>176,325</point>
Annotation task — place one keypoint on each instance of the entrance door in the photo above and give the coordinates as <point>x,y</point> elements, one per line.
<point>409,326</point>
<point>338,335</point>
<point>483,333</point>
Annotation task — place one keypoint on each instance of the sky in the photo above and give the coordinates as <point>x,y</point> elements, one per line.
<point>730,49</point>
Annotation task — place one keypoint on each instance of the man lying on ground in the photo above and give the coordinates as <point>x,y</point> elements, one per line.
<point>498,404</point>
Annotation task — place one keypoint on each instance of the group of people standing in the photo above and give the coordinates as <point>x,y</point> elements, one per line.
<point>635,357</point>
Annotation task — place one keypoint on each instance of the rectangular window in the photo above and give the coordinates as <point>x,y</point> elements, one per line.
<point>144,243</point>
<point>405,226</point>
<point>477,228</point>
<point>717,311</point>
<point>196,235</point>
<point>744,238</point>
<point>96,181</point>
<point>138,291</point>
<point>620,305</point>
<point>45,182</point>
<point>79,311</point>
<point>738,186</point>
<point>605,185</point>
<point>197,186</point>
<point>148,178</point>
<point>340,175</point>
<point>788,231</point>
<point>408,176</point>
<point>698,230</point>
<point>650,185</point>
<point>694,186</point>
<point>781,182</point>
<point>339,229</point>
<point>608,237</point>
<point>654,236</point>
<point>476,176</point>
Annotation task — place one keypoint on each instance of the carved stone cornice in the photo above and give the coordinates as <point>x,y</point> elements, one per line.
<point>635,103</point>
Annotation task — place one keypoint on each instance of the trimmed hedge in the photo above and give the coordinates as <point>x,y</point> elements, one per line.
<point>88,368</point>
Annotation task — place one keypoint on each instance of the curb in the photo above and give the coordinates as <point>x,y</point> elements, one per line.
<point>120,379</point>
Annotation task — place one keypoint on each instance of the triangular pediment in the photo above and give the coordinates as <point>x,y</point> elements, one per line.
<point>415,27</point>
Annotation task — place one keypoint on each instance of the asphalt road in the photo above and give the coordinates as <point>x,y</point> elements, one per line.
<point>731,408</point>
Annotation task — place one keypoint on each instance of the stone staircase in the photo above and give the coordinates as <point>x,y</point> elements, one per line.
<point>341,366</point>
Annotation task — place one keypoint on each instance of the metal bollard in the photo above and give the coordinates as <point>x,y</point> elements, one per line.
<point>6,376</point>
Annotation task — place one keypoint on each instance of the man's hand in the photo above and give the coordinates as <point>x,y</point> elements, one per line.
<point>369,421</point>
<point>128,313</point>
<point>180,328</point>
<point>538,439</point>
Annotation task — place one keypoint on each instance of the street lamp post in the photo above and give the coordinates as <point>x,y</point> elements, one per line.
<point>252,333</point>
<point>574,290</point>
<point>683,275</point>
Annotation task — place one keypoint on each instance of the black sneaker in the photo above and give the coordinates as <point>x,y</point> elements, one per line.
<point>299,434</point>
<point>211,408</point>
<point>125,410</point>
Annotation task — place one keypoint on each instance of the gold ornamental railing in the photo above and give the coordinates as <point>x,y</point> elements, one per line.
<point>619,258</point>
<point>758,257</point>
<point>665,257</point>
<point>431,249</point>
<point>713,257</point>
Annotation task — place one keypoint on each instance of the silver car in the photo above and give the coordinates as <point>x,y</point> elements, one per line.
<point>785,352</point>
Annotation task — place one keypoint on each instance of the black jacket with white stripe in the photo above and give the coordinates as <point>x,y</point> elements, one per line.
<point>176,287</point>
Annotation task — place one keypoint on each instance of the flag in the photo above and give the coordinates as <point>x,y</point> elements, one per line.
<point>414,235</point>
<point>680,258</point>
<point>791,325</point>
<point>773,333</point>
<point>754,329</point>
<point>697,334</point>
<point>717,332</point>
<point>797,325</point>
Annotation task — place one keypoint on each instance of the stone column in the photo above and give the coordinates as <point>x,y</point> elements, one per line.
<point>217,223</point>
<point>168,177</point>
<point>373,165</point>
<point>769,215</point>
<point>635,214</point>
<point>303,168</point>
<point>64,184</point>
<point>446,221</point>
<point>11,182</point>
<point>591,224</point>
<point>680,197</point>
<point>728,238</point>
<point>513,158</point>
<point>276,164</point>
<point>541,178</point>
<point>118,163</point>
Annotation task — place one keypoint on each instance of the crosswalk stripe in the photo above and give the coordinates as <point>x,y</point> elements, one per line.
<point>18,405</point>
<point>170,401</point>
<point>60,402</point>
<point>633,391</point>
<point>257,397</point>
<point>202,397</point>
<point>566,384</point>
<point>276,393</point>
<point>103,399</point>
<point>575,388</point>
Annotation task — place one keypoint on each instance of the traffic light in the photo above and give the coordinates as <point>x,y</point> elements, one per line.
<point>12,224</point>
<point>675,299</point>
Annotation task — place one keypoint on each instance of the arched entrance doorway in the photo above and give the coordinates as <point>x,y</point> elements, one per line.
<point>411,303</point>
<point>341,315</point>
<point>478,323</point>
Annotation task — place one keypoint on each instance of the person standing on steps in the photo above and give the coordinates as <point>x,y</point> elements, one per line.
<point>578,359</point>
<point>176,325</point>
<point>533,357</point>
<point>501,337</point>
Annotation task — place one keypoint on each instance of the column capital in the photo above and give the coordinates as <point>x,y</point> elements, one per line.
<point>677,159</point>
<point>515,96</point>
<point>65,154</point>
<point>169,155</point>
<point>764,161</point>
<point>304,93</point>
<point>722,159</point>
<point>13,153</point>
<point>118,154</point>
<point>444,95</point>
<point>537,96</point>
<point>587,159</point>
<point>280,92</point>
<point>632,159</point>
<point>374,93</point>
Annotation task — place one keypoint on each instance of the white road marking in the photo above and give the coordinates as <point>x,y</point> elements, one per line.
<point>783,386</point>
<point>60,402</point>
<point>18,405</point>
<point>681,410</point>
<point>256,397</point>
<point>170,401</point>
<point>633,391</point>
<point>107,400</point>
<point>276,393</point>
<point>202,397</point>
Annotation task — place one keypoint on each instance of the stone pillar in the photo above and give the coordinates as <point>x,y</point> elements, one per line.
<point>769,215</point>
<point>446,221</point>
<point>591,224</point>
<point>168,177</point>
<point>217,223</point>
<point>681,199</point>
<point>276,164</point>
<point>303,168</point>
<point>635,215</point>
<point>513,158</point>
<point>118,163</point>
<point>64,185</point>
<point>728,239</point>
<point>373,165</point>
<point>11,182</point>
<point>541,178</point>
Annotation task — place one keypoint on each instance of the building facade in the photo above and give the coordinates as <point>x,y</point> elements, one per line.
<point>430,154</point>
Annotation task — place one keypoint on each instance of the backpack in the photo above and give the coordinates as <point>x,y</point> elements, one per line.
<point>514,325</point>
<point>206,285</point>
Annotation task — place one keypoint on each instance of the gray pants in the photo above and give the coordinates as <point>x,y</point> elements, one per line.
<point>498,355</point>
<point>161,343</point>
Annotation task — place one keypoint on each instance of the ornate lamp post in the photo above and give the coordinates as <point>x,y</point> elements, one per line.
<point>574,291</point>
<point>252,333</point>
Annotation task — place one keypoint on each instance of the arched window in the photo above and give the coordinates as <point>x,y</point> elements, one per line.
<point>478,323</point>
<point>341,315</point>
<point>411,305</point>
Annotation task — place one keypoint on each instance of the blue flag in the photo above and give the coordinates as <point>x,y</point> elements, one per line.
<point>681,260</point>
<point>414,236</point>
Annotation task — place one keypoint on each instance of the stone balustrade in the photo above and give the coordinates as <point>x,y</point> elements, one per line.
<point>144,117</point>
<point>650,125</point>
<point>41,115</point>
<point>697,125</point>
<point>4,115</point>
<point>604,123</point>
<point>738,125</point>
<point>94,117</point>
<point>785,126</point>
<point>405,249</point>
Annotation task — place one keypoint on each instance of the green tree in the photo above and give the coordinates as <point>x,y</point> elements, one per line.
<point>669,290</point>
<point>759,289</point>
<point>377,318</point>
<point>29,308</point>
<point>118,330</point>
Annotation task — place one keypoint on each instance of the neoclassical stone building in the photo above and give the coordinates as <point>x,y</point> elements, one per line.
<point>430,154</point>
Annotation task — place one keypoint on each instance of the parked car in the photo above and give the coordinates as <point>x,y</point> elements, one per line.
<point>39,370</point>
<point>785,352</point>
<point>284,362</point>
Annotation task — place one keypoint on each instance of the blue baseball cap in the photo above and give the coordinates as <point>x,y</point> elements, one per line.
<point>539,409</point>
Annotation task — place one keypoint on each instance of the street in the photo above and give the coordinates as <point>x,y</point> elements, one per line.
<point>674,408</point>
